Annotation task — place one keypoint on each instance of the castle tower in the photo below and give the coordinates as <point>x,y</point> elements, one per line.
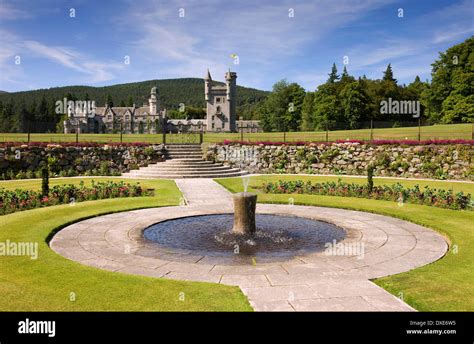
<point>153,102</point>
<point>220,99</point>
<point>231,90</point>
<point>207,85</point>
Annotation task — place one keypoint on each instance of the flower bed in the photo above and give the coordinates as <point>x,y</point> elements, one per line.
<point>17,200</point>
<point>397,192</point>
<point>73,144</point>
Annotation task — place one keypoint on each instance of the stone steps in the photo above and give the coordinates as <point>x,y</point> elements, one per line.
<point>184,161</point>
<point>183,152</point>
<point>165,167</point>
<point>183,155</point>
<point>187,170</point>
<point>185,174</point>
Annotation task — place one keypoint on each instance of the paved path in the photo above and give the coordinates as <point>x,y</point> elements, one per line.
<point>313,282</point>
<point>203,191</point>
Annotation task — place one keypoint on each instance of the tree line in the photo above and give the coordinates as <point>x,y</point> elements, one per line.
<point>344,102</point>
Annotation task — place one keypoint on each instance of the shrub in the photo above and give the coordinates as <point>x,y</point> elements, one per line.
<point>382,159</point>
<point>396,192</point>
<point>44,180</point>
<point>149,151</point>
<point>30,174</point>
<point>104,168</point>
<point>370,177</point>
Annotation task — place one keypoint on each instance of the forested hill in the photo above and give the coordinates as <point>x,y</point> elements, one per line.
<point>172,92</point>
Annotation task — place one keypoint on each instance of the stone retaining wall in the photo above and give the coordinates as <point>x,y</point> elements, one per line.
<point>23,161</point>
<point>452,161</point>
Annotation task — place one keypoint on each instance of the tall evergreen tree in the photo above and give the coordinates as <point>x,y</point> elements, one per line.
<point>388,74</point>
<point>344,72</point>
<point>333,76</point>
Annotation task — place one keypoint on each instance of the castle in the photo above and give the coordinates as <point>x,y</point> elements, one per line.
<point>133,119</point>
<point>149,118</point>
<point>220,103</point>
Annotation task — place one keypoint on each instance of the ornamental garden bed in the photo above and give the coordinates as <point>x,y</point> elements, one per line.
<point>17,200</point>
<point>396,192</point>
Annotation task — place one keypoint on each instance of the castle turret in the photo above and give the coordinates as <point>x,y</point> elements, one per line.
<point>230,82</point>
<point>153,102</point>
<point>207,85</point>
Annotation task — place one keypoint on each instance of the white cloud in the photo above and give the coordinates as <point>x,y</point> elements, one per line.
<point>262,35</point>
<point>9,12</point>
<point>452,34</point>
<point>93,71</point>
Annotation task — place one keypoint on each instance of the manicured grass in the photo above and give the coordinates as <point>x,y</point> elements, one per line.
<point>445,285</point>
<point>46,284</point>
<point>446,131</point>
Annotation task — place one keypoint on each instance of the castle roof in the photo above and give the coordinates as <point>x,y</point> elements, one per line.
<point>186,121</point>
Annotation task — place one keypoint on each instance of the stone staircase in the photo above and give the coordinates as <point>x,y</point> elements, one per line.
<point>184,161</point>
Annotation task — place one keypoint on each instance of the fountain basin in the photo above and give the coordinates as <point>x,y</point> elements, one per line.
<point>275,237</point>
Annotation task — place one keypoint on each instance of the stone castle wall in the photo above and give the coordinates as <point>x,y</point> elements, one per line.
<point>453,161</point>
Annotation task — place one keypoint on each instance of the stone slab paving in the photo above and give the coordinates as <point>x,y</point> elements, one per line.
<point>311,282</point>
<point>203,191</point>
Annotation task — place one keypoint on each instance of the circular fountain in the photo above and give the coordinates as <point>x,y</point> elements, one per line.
<point>243,234</point>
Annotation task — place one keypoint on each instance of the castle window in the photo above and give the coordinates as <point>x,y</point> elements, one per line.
<point>109,117</point>
<point>218,109</point>
<point>213,125</point>
<point>218,99</point>
<point>213,118</point>
<point>223,125</point>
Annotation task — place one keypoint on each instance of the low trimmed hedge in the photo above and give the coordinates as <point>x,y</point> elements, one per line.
<point>396,192</point>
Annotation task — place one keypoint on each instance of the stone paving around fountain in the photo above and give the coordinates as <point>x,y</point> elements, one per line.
<point>314,282</point>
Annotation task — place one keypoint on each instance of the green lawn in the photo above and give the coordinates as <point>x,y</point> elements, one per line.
<point>46,284</point>
<point>445,285</point>
<point>446,131</point>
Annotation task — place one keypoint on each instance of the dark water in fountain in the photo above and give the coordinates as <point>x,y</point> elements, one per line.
<point>276,236</point>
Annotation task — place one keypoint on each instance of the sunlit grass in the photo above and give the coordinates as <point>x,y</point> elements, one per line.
<point>46,284</point>
<point>445,285</point>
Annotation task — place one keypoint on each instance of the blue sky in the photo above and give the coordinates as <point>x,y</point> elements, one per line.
<point>160,40</point>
